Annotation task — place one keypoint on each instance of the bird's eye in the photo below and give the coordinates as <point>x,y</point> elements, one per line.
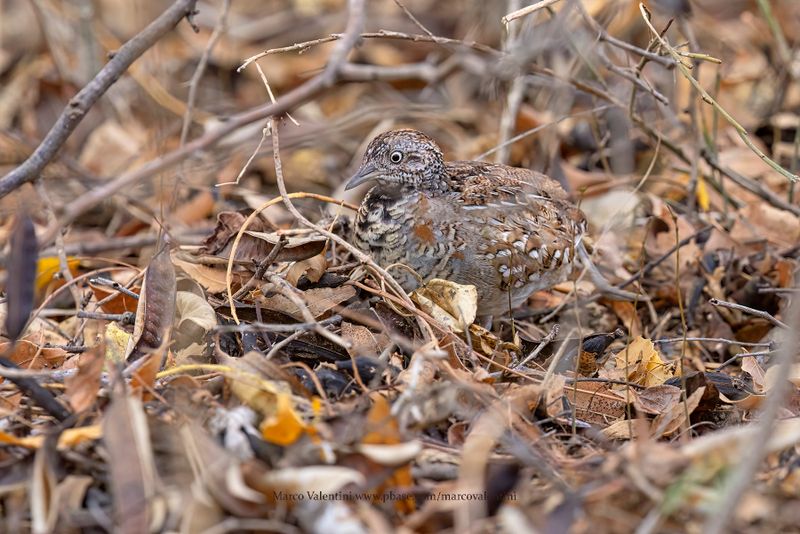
<point>396,156</point>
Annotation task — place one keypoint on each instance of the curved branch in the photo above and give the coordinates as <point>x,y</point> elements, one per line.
<point>81,103</point>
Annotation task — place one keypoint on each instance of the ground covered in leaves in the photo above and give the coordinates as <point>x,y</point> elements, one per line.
<point>191,344</point>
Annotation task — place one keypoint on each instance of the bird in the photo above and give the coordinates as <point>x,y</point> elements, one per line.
<point>508,231</point>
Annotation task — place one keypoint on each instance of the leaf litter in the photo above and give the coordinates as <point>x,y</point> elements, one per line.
<point>203,369</point>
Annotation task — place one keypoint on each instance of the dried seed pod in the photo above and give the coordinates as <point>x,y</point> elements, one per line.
<point>156,309</point>
<point>21,276</point>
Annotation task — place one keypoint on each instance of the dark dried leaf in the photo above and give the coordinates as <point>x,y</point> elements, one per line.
<point>21,276</point>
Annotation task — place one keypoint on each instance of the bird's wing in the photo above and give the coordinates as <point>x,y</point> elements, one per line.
<point>524,218</point>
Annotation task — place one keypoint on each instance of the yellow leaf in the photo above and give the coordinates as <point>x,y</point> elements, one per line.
<point>48,266</point>
<point>285,426</point>
<point>69,438</point>
<point>642,364</point>
<point>702,194</point>
<point>116,342</point>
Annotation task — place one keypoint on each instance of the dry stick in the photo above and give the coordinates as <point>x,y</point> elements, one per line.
<point>527,10</point>
<point>381,34</point>
<point>752,454</point>
<point>262,267</point>
<point>80,104</point>
<point>286,289</point>
<point>247,222</point>
<point>35,391</point>
<point>413,19</point>
<point>749,311</point>
<point>603,35</point>
<point>508,120</point>
<point>656,262</point>
<point>709,100</point>
<point>219,29</point>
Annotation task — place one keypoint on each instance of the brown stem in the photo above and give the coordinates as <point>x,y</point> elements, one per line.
<point>81,103</point>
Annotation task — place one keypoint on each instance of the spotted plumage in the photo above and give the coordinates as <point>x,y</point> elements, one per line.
<point>507,231</point>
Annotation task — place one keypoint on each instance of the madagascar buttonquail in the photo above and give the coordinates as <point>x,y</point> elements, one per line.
<point>507,231</point>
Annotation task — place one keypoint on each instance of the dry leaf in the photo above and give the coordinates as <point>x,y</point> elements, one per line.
<point>641,364</point>
<point>454,305</point>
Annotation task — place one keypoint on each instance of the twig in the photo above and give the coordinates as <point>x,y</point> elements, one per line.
<point>33,389</point>
<point>603,35</point>
<point>413,19</point>
<point>286,289</point>
<point>80,104</point>
<point>709,100</point>
<point>355,25</point>
<point>542,344</point>
<point>712,340</point>
<point>381,34</point>
<point>743,355</point>
<point>750,311</point>
<point>752,453</point>
<point>90,248</point>
<point>527,10</point>
<point>219,29</point>
<point>114,285</point>
<point>656,262</point>
<point>122,318</point>
<point>264,327</point>
<point>262,267</point>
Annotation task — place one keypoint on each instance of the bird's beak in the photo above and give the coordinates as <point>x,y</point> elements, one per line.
<point>366,173</point>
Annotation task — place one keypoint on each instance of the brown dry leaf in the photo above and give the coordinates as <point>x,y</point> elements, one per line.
<point>641,363</point>
<point>751,367</point>
<point>771,377</point>
<point>662,237</point>
<point>759,221</point>
<point>229,223</point>
<point>119,301</point>
<point>319,300</point>
<point>656,400</point>
<point>454,305</point>
<point>624,429</point>
<point>362,340</point>
<point>313,268</point>
<point>144,377</point>
<point>209,278</point>
<point>195,210</point>
<point>111,147</point>
<point>595,402</point>
<point>627,316</point>
<point>29,355</point>
<point>294,248</point>
<point>132,468</point>
<point>669,422</point>
<point>81,388</point>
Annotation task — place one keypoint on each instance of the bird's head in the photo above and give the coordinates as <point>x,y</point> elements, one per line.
<point>404,159</point>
